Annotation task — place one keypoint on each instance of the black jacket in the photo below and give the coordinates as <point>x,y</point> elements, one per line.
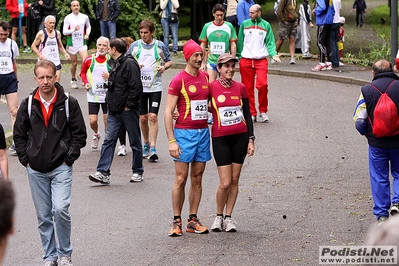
<point>125,84</point>
<point>48,8</point>
<point>114,9</point>
<point>359,5</point>
<point>371,96</point>
<point>44,149</point>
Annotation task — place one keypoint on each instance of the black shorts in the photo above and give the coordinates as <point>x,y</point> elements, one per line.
<point>230,149</point>
<point>150,102</point>
<point>8,84</point>
<point>94,108</point>
<point>15,22</point>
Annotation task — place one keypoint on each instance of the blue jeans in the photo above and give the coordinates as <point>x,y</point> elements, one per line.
<point>380,159</point>
<point>51,194</point>
<point>334,44</point>
<point>108,28</point>
<point>174,27</point>
<point>131,121</point>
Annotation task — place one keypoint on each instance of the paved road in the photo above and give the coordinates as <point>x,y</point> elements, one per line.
<point>310,165</point>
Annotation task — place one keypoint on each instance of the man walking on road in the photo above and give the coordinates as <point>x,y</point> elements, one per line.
<point>189,138</point>
<point>77,28</point>
<point>49,132</point>
<point>122,98</point>
<point>383,151</point>
<point>255,44</point>
<point>95,71</point>
<point>48,44</point>
<point>8,72</point>
<point>154,59</point>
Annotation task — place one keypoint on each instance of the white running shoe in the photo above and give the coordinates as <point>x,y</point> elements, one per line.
<point>122,151</point>
<point>263,118</point>
<point>217,225</point>
<point>74,84</point>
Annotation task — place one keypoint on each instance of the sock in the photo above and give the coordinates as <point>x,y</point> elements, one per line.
<point>227,216</point>
<point>191,216</point>
<point>219,214</point>
<point>177,217</point>
<point>73,79</point>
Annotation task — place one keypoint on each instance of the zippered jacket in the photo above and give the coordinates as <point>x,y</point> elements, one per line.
<point>46,148</point>
<point>256,40</point>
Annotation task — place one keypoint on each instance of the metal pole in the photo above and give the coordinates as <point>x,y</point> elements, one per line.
<point>394,30</point>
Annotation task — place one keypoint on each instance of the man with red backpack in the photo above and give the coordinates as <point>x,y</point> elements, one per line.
<point>376,117</point>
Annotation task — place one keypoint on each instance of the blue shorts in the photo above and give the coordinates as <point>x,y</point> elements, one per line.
<point>9,83</point>
<point>212,66</point>
<point>194,145</point>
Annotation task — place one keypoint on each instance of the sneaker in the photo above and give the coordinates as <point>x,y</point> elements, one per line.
<point>319,67</point>
<point>263,118</point>
<point>341,64</point>
<point>328,66</point>
<point>99,178</point>
<point>174,53</point>
<point>394,209</point>
<point>306,56</point>
<point>122,150</point>
<point>217,225</point>
<point>292,62</point>
<point>136,178</point>
<point>94,142</point>
<point>382,219</point>
<point>176,228</point>
<point>146,150</point>
<point>50,263</point>
<point>27,49</point>
<point>152,156</point>
<point>12,149</point>
<point>229,225</point>
<point>253,119</point>
<point>194,226</point>
<point>66,261</point>
<point>74,84</point>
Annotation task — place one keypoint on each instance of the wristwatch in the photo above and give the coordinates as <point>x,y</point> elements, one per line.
<point>252,137</point>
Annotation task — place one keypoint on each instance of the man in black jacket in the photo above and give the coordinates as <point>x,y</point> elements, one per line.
<point>123,95</point>
<point>107,12</point>
<point>360,7</point>
<point>383,151</point>
<point>49,132</point>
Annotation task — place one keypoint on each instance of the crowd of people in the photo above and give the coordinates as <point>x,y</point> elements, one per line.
<point>124,78</point>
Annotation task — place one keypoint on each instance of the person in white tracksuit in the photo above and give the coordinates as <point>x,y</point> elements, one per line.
<point>305,23</point>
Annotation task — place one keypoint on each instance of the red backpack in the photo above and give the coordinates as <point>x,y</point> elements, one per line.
<point>386,118</point>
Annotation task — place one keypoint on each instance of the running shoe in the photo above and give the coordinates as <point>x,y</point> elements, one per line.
<point>122,150</point>
<point>66,261</point>
<point>99,178</point>
<point>146,150</point>
<point>74,84</point>
<point>328,66</point>
<point>319,67</point>
<point>229,225</point>
<point>27,49</point>
<point>195,226</point>
<point>176,228</point>
<point>263,118</point>
<point>253,119</point>
<point>94,142</point>
<point>217,225</point>
<point>382,219</point>
<point>292,61</point>
<point>394,209</point>
<point>50,263</point>
<point>136,178</point>
<point>152,156</point>
<point>12,149</point>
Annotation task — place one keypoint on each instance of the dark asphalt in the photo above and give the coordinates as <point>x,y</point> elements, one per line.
<point>310,166</point>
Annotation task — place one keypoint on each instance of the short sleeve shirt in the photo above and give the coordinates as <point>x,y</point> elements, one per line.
<point>192,105</point>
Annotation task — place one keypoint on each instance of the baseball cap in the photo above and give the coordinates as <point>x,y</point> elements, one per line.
<point>224,58</point>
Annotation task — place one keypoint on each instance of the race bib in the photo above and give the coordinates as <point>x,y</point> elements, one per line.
<point>218,48</point>
<point>99,89</point>
<point>230,115</point>
<point>147,78</point>
<point>77,37</point>
<point>199,109</point>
